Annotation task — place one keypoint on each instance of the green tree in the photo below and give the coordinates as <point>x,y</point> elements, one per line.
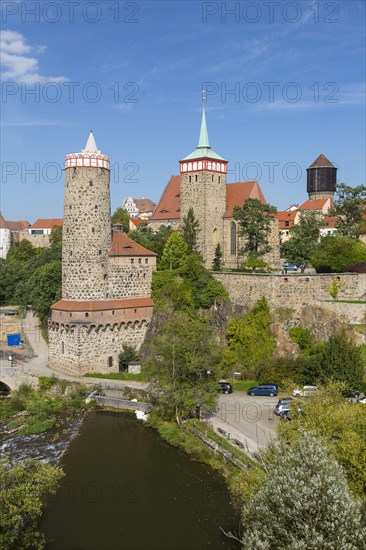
<point>21,252</point>
<point>56,236</point>
<point>304,238</point>
<point>152,240</point>
<point>183,371</point>
<point>190,230</point>
<point>128,355</point>
<point>44,289</point>
<point>251,337</point>
<point>175,252</point>
<point>303,503</point>
<point>339,359</point>
<point>255,221</point>
<point>349,209</point>
<point>121,216</point>
<point>22,491</point>
<point>217,263</point>
<point>341,426</point>
<point>334,254</point>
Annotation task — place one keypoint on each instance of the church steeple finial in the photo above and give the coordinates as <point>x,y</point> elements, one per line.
<point>203,139</point>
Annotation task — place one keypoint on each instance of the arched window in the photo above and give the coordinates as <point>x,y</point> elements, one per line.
<point>216,236</point>
<point>233,239</point>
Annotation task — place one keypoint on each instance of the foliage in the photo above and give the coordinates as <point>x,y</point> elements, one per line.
<point>303,240</point>
<point>251,337</point>
<point>255,263</point>
<point>190,230</point>
<point>339,359</point>
<point>285,371</point>
<point>47,382</point>
<point>255,220</point>
<point>22,492</point>
<point>141,377</point>
<point>303,337</point>
<point>303,501</point>
<point>349,209</point>
<point>128,355</point>
<point>152,240</point>
<point>334,254</point>
<point>334,288</point>
<point>340,424</point>
<point>183,370</point>
<point>175,252</point>
<point>217,261</point>
<point>33,275</point>
<point>121,216</point>
<point>188,288</point>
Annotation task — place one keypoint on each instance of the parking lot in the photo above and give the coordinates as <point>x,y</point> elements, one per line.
<point>251,420</point>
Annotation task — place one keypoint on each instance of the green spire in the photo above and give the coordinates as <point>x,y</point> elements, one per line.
<point>203,140</point>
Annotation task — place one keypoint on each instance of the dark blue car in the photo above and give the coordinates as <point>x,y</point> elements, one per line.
<point>263,389</point>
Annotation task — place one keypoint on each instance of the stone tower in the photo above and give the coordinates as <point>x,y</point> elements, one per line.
<point>87,225</point>
<point>203,187</point>
<point>106,277</point>
<point>321,179</point>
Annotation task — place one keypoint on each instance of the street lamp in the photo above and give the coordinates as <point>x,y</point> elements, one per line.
<point>236,373</point>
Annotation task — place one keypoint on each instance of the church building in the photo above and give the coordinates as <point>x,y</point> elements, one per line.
<point>202,186</point>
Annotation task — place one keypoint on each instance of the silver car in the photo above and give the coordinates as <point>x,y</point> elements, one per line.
<point>282,405</point>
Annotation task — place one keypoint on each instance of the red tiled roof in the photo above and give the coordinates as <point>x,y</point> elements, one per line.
<point>322,162</point>
<point>330,221</point>
<point>102,305</point>
<point>124,246</point>
<point>3,223</point>
<point>145,205</point>
<point>47,223</point>
<point>313,204</point>
<point>18,226</point>
<point>168,207</point>
<point>238,193</point>
<point>136,221</point>
<point>286,216</point>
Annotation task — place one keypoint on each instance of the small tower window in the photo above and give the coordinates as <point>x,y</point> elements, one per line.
<point>62,347</point>
<point>93,230</point>
<point>190,178</point>
<point>86,314</point>
<point>113,312</point>
<point>90,183</point>
<point>140,260</point>
<point>196,177</point>
<point>110,361</point>
<point>96,207</point>
<point>212,177</point>
<point>100,252</point>
<point>219,179</point>
<point>132,260</point>
<point>146,260</point>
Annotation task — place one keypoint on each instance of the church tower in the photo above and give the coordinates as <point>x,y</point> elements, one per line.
<point>87,225</point>
<point>321,179</point>
<point>203,187</point>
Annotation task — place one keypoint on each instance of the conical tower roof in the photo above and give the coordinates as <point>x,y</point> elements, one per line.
<point>91,146</point>
<point>203,149</point>
<point>322,162</point>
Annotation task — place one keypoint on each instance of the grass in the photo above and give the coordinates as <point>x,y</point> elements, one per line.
<point>118,376</point>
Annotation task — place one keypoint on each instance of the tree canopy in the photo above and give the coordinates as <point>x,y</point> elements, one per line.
<point>255,220</point>
<point>303,502</point>
<point>190,230</point>
<point>303,239</point>
<point>183,370</point>
<point>121,216</point>
<point>349,208</point>
<point>152,240</point>
<point>334,253</point>
<point>175,252</point>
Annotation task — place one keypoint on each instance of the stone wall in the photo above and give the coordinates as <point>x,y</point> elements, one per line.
<point>38,241</point>
<point>82,349</point>
<point>292,291</point>
<point>129,281</point>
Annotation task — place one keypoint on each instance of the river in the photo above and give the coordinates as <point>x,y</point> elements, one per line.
<point>125,488</point>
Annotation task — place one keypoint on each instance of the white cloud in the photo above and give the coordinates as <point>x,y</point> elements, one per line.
<point>19,60</point>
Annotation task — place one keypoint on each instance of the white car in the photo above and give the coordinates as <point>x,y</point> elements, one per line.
<point>362,400</point>
<point>307,391</point>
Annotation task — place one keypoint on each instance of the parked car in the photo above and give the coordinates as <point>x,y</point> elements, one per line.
<point>282,405</point>
<point>263,389</point>
<point>290,266</point>
<point>362,400</point>
<point>225,387</point>
<point>351,393</point>
<point>306,391</point>
<point>287,413</point>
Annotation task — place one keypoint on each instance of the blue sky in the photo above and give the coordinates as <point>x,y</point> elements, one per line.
<point>133,73</point>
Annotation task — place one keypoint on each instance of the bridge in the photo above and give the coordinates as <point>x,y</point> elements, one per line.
<point>12,377</point>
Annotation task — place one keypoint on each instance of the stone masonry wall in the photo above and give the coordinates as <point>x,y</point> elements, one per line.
<point>86,234</point>
<point>207,197</point>
<point>78,350</point>
<point>129,281</point>
<point>291,291</point>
